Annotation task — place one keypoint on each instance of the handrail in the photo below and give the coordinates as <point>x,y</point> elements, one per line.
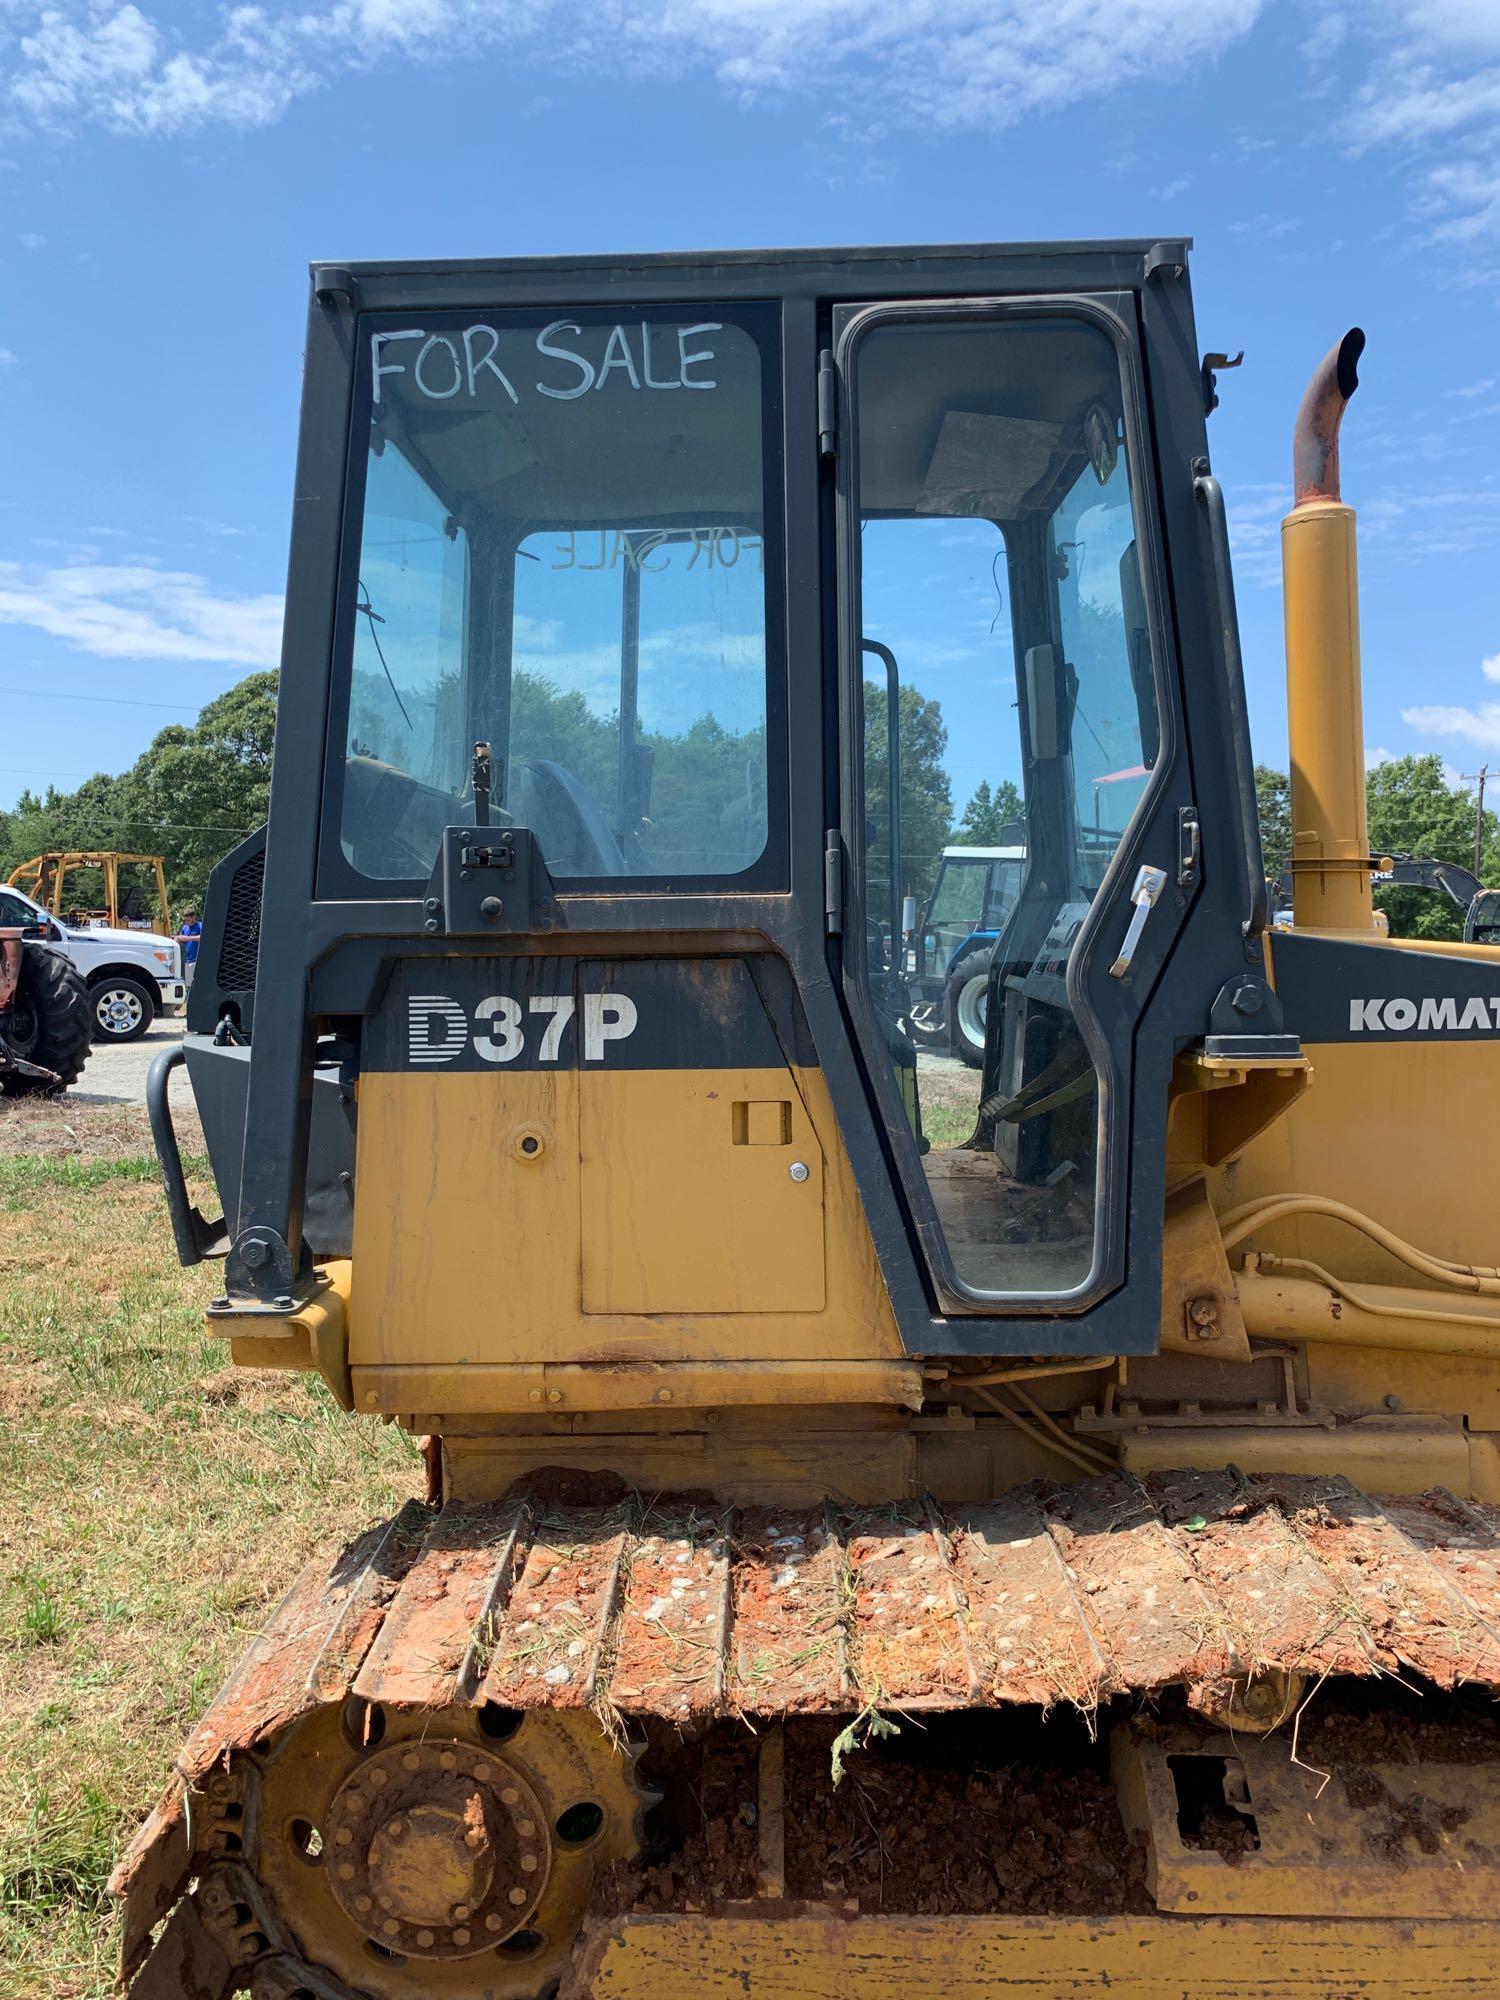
<point>195,1237</point>
<point>1211,494</point>
<point>893,784</point>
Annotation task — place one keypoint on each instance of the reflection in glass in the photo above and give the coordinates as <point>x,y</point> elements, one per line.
<point>562,554</point>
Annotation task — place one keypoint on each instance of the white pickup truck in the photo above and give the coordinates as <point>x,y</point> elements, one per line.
<point>132,976</point>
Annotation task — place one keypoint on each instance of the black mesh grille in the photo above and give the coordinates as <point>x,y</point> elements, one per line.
<point>241,946</point>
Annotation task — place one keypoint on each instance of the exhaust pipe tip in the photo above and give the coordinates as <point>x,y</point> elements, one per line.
<point>1315,441</point>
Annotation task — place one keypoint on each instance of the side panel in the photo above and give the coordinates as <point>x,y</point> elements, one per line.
<point>574,1161</point>
<point>1401,1119</point>
<point>687,1182</point>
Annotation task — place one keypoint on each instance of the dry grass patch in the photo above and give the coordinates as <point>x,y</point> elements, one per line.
<point>64,1128</point>
<point>949,1093</point>
<point>154,1503</point>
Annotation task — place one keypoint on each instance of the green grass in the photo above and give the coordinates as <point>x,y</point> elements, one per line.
<point>154,1503</point>
<point>944,1126</point>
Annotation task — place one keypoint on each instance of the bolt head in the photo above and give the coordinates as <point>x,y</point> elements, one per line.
<point>798,1171</point>
<point>256,1254</point>
<point>492,907</point>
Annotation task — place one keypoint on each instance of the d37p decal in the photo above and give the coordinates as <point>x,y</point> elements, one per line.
<point>488,1015</point>
<point>438,1028</point>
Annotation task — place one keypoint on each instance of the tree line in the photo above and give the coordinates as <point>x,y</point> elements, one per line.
<point>1413,809</point>
<point>198,789</point>
<point>190,797</point>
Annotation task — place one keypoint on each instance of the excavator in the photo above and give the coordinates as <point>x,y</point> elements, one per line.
<point>891,1527</point>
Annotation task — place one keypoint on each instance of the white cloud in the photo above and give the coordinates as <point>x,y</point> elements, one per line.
<point>1490,668</point>
<point>949,62</point>
<point>30,240</point>
<point>1432,88</point>
<point>1376,755</point>
<point>131,612</point>
<point>1479,726</point>
<point>8,357</point>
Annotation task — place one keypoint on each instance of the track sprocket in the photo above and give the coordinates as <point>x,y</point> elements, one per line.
<point>417,1854</point>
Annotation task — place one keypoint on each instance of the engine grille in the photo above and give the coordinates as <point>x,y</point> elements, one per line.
<point>241,946</point>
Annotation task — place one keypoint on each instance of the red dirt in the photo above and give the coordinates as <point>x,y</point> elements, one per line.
<point>908,1643</point>
<point>914,1831</point>
<point>790,1647</point>
<point>1280,1607</point>
<point>672,1627</point>
<point>1154,1621</point>
<point>441,1607</point>
<point>1026,1631</point>
<point>546,1651</point>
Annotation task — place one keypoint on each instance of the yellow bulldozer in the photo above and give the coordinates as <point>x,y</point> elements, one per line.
<point>894,1527</point>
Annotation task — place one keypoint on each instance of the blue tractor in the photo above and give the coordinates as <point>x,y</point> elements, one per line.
<point>975,891</point>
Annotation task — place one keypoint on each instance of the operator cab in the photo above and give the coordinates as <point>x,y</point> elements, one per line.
<point>748,595</point>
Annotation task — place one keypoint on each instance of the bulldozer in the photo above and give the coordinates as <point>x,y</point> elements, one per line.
<point>891,1527</point>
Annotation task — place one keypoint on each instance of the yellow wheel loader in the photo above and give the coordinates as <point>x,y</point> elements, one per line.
<point>894,1527</point>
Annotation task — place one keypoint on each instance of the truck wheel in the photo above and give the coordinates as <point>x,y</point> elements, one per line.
<point>123,1008</point>
<point>968,1005</point>
<point>50,1021</point>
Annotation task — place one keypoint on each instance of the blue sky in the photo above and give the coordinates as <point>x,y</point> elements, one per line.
<point>167,172</point>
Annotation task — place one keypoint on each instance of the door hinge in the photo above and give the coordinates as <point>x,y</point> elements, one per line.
<point>1189,846</point>
<point>828,406</point>
<point>833,882</point>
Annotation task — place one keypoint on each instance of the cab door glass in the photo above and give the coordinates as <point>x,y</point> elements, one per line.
<point>1002,610</point>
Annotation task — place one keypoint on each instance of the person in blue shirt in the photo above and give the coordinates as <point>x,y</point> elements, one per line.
<point>188,938</point>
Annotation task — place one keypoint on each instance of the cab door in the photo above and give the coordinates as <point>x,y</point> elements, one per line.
<point>999,553</point>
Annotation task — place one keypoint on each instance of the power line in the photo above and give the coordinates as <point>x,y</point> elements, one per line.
<point>114,700</point>
<point>82,824</point>
<point>30,771</point>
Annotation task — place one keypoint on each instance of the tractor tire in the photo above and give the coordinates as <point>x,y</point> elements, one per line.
<point>968,1004</point>
<point>51,1022</point>
<point>124,1008</point>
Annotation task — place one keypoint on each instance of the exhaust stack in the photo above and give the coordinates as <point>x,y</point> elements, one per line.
<point>1331,864</point>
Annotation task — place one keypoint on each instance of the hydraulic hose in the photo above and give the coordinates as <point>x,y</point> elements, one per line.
<point>1254,1216</point>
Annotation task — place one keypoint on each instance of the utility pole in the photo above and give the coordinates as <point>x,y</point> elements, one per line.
<point>1478,778</point>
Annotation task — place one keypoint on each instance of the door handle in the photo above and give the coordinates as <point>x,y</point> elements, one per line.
<point>1149,883</point>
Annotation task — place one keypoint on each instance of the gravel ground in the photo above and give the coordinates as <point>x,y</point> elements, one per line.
<point>115,1072</point>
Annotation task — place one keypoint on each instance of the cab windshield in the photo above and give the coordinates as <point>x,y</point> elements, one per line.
<point>561,551</point>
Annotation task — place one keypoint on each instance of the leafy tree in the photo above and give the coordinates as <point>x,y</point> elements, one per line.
<point>1414,810</point>
<point>926,798</point>
<point>190,797</point>
<point>989,815</point>
<point>1273,798</point>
